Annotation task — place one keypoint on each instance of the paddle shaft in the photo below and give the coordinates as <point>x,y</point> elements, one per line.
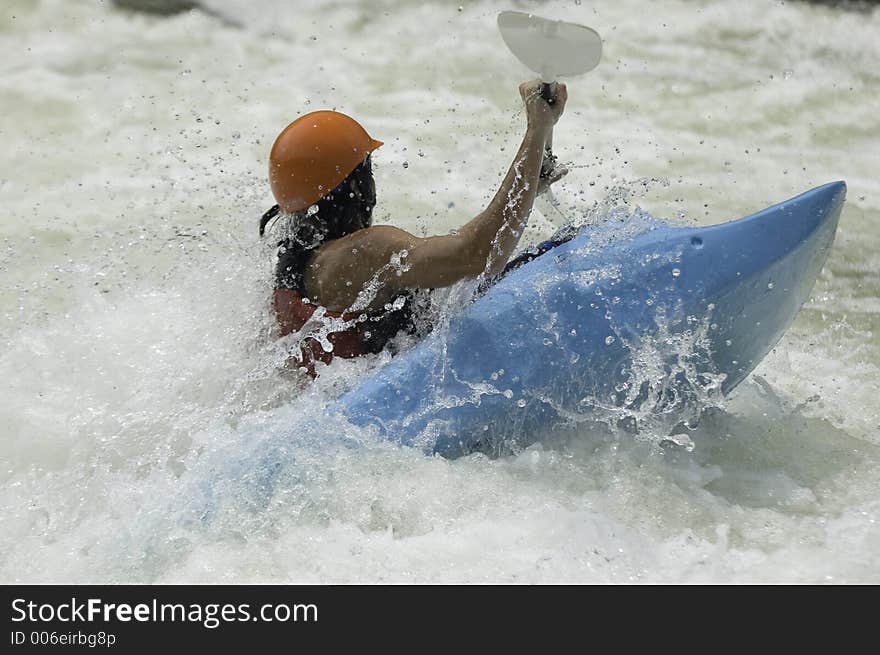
<point>548,92</point>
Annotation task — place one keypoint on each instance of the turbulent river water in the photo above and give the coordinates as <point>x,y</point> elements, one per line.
<point>137,337</point>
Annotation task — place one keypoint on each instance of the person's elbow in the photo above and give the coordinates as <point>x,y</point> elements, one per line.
<point>461,258</point>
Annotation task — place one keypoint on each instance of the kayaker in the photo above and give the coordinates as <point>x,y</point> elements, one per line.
<point>348,286</point>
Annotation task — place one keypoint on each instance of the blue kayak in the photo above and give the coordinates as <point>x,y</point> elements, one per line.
<point>650,324</point>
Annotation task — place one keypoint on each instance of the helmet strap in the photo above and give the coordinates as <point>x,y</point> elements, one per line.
<point>268,216</point>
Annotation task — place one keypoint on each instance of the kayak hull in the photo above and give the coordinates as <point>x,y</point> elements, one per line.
<point>635,328</point>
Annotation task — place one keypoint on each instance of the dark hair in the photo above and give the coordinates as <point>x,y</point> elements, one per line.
<point>346,209</point>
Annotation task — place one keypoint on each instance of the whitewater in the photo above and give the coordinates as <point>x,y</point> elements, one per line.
<point>140,376</point>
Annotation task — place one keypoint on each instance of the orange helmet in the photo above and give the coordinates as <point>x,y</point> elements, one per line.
<point>313,155</point>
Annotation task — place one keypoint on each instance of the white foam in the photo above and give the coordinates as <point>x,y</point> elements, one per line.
<point>137,337</point>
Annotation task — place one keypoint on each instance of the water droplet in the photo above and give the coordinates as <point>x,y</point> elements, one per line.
<point>675,272</point>
<point>727,342</point>
<point>609,340</point>
<point>769,285</point>
<point>406,164</point>
<point>521,402</point>
<point>508,394</point>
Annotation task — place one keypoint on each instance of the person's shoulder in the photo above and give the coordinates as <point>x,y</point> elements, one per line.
<point>341,267</point>
<point>386,233</point>
<point>371,245</point>
<point>376,239</point>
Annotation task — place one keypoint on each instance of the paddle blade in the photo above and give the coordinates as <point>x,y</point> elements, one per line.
<point>550,48</point>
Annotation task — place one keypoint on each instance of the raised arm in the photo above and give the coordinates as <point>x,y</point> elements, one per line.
<point>384,260</point>
<point>494,233</point>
